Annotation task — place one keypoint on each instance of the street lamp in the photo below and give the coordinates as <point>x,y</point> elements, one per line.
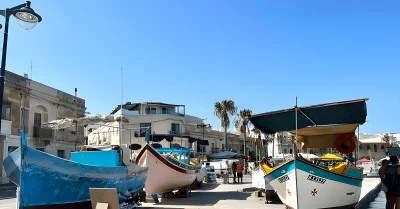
<point>27,19</point>
<point>203,126</point>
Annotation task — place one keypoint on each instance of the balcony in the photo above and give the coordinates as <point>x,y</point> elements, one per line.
<point>214,150</point>
<point>44,133</point>
<point>5,127</point>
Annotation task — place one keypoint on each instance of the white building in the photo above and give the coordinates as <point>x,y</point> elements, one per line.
<point>47,104</point>
<point>162,119</point>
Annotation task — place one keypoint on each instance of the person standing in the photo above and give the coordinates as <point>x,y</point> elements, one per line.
<point>239,170</point>
<point>381,173</point>
<point>391,181</point>
<point>234,172</point>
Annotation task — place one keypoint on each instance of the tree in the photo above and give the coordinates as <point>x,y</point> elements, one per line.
<point>386,140</point>
<point>268,138</point>
<point>223,110</point>
<point>257,141</point>
<point>242,123</point>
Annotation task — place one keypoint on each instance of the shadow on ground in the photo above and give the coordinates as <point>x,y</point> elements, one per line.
<point>205,198</point>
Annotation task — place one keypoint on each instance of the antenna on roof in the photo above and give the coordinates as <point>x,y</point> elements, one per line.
<point>31,71</point>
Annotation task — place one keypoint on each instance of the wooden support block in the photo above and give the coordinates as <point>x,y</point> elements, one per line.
<point>257,194</point>
<point>101,205</point>
<point>104,195</point>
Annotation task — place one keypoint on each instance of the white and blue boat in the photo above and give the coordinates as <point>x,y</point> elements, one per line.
<point>52,182</point>
<point>300,183</point>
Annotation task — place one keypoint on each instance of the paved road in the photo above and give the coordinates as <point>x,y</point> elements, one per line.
<point>7,199</point>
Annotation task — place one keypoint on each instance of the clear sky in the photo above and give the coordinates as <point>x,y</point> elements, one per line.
<point>260,54</point>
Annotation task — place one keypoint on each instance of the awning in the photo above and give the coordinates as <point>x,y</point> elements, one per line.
<point>203,142</point>
<point>346,112</point>
<point>160,137</point>
<point>225,155</point>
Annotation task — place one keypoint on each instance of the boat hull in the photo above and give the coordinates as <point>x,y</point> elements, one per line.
<point>163,176</point>
<point>49,180</point>
<point>303,185</point>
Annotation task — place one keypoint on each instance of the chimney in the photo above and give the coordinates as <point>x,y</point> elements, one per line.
<point>26,75</point>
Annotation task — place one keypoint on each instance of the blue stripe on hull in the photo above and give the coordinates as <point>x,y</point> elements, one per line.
<point>278,172</point>
<point>289,166</point>
<point>327,175</point>
<point>51,180</point>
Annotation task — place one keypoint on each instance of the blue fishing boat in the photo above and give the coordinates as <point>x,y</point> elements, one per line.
<point>47,180</point>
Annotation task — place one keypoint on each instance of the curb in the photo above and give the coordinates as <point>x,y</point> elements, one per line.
<point>364,202</point>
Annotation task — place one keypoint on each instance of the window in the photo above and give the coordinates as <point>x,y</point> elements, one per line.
<point>60,153</point>
<point>143,127</point>
<point>375,148</point>
<point>382,146</point>
<point>11,149</point>
<point>37,119</point>
<point>166,110</point>
<point>212,145</point>
<point>175,128</point>
<point>360,146</point>
<point>223,147</point>
<point>6,114</point>
<point>153,110</point>
<point>368,147</point>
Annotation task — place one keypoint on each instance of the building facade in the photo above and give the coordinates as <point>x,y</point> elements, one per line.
<point>161,119</point>
<point>42,104</point>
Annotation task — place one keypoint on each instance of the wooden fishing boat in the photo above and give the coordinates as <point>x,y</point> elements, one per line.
<point>301,184</point>
<point>166,173</point>
<point>47,181</point>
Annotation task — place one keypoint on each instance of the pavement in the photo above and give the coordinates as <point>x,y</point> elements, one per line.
<point>218,196</point>
<point>222,196</point>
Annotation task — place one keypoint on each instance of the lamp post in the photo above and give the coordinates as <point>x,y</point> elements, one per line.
<point>203,126</point>
<point>27,19</point>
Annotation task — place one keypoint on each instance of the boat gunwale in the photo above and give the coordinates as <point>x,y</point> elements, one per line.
<point>312,165</point>
<point>163,160</point>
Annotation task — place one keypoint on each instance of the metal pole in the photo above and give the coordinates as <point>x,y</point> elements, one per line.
<point>76,121</point>
<point>203,137</point>
<point>130,145</point>
<point>357,144</point>
<point>4,59</point>
<point>120,122</point>
<point>295,147</point>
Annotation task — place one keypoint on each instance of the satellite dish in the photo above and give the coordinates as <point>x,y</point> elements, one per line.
<point>135,146</point>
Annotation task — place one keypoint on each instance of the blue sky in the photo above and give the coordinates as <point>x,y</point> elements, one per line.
<point>261,54</point>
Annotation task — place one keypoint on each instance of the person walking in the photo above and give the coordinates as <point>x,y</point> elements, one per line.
<point>391,181</point>
<point>234,172</point>
<point>381,172</point>
<point>239,170</point>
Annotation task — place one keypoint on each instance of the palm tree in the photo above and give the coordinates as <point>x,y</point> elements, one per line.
<point>257,140</point>
<point>223,110</point>
<point>242,123</point>
<point>268,139</point>
<point>385,139</point>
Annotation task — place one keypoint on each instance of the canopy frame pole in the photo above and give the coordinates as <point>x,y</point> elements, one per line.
<point>295,145</point>
<point>304,115</point>
<point>357,143</point>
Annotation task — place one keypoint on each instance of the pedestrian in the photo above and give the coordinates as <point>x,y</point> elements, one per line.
<point>391,178</point>
<point>381,173</point>
<point>234,172</point>
<point>239,170</point>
